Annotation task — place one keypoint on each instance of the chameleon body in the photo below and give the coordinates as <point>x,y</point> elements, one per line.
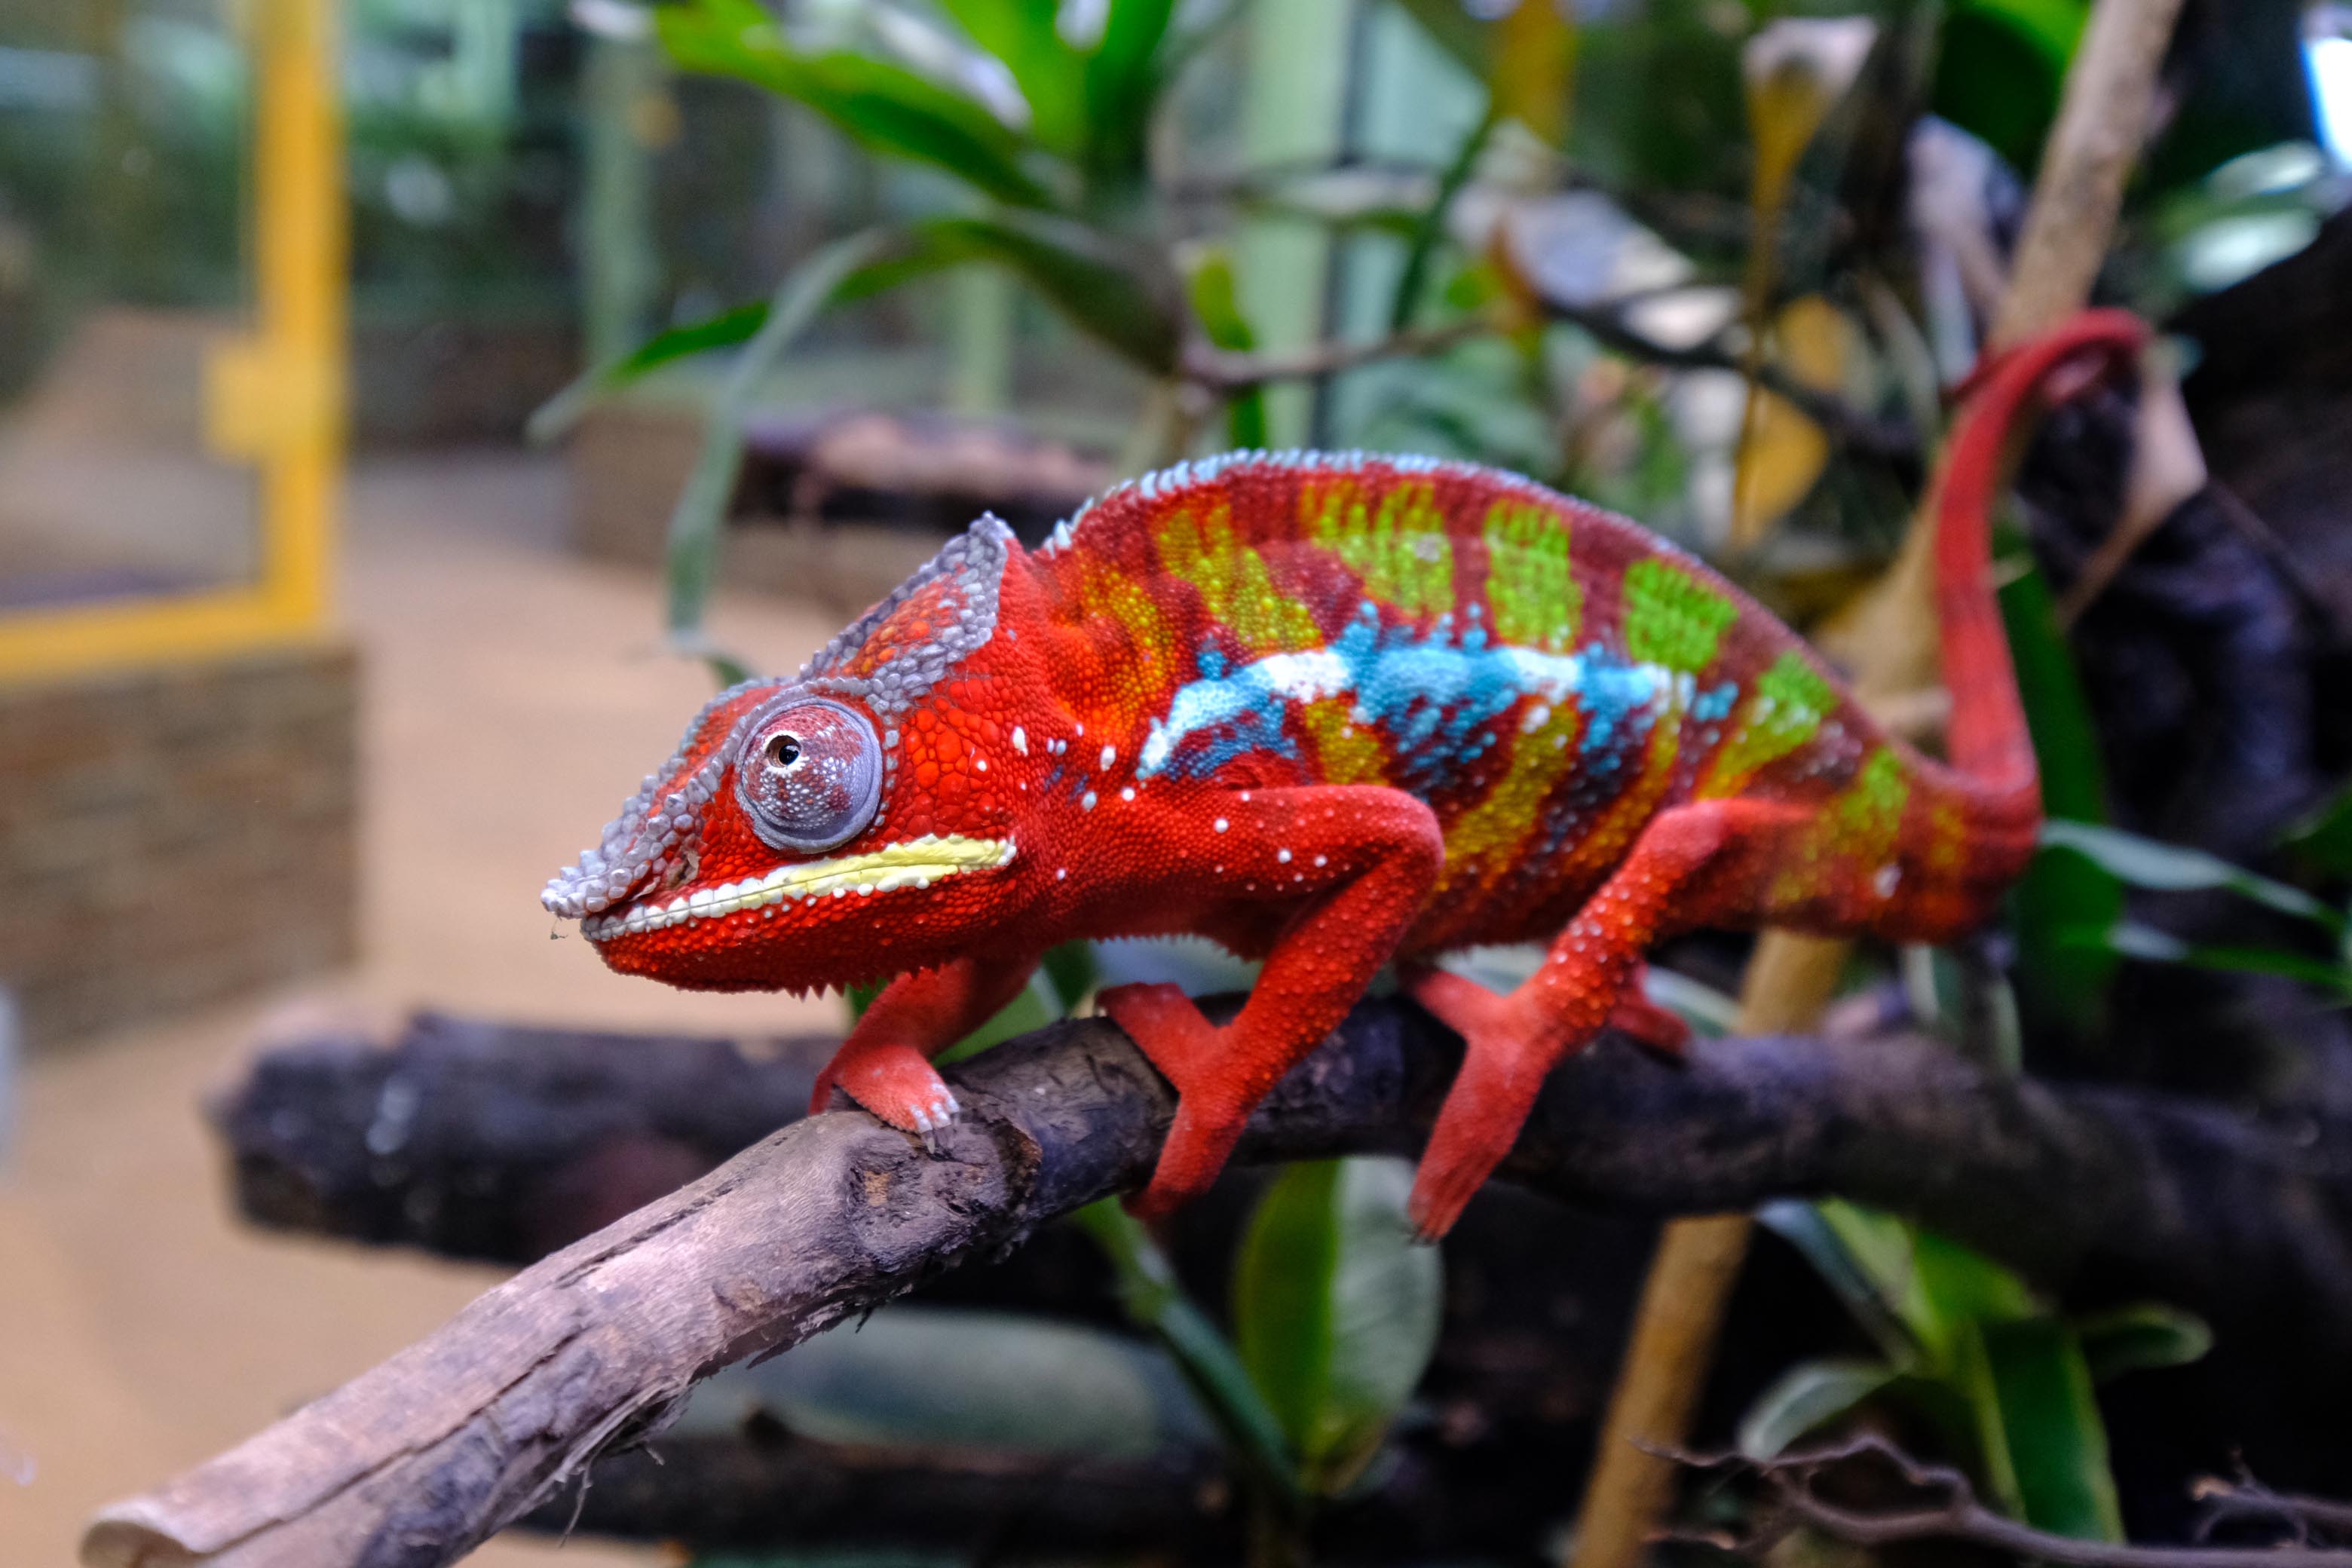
<point>1332,711</point>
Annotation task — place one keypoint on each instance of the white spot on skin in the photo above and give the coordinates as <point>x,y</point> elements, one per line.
<point>1087,800</point>
<point>1283,856</point>
<point>1127,793</point>
<point>980,764</point>
<point>1109,756</point>
<point>1220,824</point>
<point>1020,739</point>
<point>1063,875</point>
<point>1322,859</point>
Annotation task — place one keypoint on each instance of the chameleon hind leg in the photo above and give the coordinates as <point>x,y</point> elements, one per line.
<point>1589,979</point>
<point>1354,863</point>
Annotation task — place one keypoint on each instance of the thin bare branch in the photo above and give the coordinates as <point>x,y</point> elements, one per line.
<point>1950,1511</point>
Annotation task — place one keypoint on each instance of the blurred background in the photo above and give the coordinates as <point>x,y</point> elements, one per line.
<point>409,408</point>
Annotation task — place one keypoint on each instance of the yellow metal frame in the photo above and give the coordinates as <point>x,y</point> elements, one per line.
<point>274,399</point>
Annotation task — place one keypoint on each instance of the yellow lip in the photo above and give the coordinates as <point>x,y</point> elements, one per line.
<point>917,863</point>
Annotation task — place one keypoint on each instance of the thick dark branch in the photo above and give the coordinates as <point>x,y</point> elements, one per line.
<point>421,1457</point>
<point>498,1143</point>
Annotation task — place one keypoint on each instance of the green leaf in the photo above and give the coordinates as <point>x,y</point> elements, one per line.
<point>2058,893</point>
<point>2131,939</point>
<point>2173,869</point>
<point>2323,839</point>
<point>1124,80</point>
<point>1103,290</point>
<point>698,522</point>
<point>2057,1442</point>
<point>1336,1310</point>
<point>1072,969</point>
<point>556,416</point>
<point>2052,26</point>
<point>1253,1434</point>
<point>1960,1286</point>
<point>883,106</point>
<point>1806,1397</point>
<point>1216,304</point>
<point>1051,75</point>
<point>2147,1336</point>
<point>1865,1258</point>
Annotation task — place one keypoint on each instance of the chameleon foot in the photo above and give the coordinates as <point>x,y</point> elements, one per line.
<point>1506,1052</point>
<point>896,1083</point>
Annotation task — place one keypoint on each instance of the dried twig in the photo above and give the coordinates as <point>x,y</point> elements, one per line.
<point>2246,1498</point>
<point>1951,1512</point>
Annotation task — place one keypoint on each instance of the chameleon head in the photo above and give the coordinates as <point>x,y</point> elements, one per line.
<point>804,833</point>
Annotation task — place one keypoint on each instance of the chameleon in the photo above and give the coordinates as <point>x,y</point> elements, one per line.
<point>1335,712</point>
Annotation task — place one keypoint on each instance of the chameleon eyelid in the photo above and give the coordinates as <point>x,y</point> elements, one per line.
<point>800,809</point>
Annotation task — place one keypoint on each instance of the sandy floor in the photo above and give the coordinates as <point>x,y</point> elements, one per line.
<point>514,697</point>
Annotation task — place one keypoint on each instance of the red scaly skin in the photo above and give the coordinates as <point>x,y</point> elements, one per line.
<point>1332,712</point>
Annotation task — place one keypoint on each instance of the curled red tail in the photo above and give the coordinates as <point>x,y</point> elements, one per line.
<point>1988,738</point>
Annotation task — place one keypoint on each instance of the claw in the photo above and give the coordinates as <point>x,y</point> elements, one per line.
<point>897,1083</point>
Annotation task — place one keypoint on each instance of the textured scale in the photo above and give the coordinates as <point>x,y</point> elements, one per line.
<point>1335,712</point>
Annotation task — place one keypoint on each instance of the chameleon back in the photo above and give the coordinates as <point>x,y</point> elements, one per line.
<point>1547,676</point>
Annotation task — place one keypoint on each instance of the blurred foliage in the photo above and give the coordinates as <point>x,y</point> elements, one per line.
<point>1593,289</point>
<point>2004,1381</point>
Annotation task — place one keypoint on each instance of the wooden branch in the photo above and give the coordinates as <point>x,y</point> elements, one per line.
<point>419,1459</point>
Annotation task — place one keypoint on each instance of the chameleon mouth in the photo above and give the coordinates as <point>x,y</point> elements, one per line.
<point>917,863</point>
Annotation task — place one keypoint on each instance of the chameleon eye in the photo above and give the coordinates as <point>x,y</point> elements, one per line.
<point>811,777</point>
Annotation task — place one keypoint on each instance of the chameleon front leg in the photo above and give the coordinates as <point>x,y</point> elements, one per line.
<point>1357,863</point>
<point>885,1065</point>
<point>1668,882</point>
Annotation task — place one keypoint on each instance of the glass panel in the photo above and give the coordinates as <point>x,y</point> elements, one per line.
<point>124,159</point>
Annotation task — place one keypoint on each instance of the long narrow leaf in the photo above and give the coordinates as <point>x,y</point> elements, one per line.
<point>698,519</point>
<point>2323,839</point>
<point>1805,1398</point>
<point>1051,75</point>
<point>2059,892</point>
<point>1157,1303</point>
<point>1124,77</point>
<point>883,106</point>
<point>2173,869</point>
<point>1430,227</point>
<point>555,418</point>
<point>2131,939</point>
<point>2056,1440</point>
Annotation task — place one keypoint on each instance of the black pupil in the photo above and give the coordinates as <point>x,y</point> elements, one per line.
<point>785,750</point>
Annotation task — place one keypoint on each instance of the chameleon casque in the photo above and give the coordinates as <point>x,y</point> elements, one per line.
<point>1332,711</point>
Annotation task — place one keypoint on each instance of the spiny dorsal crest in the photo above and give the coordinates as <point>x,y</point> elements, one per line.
<point>927,625</point>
